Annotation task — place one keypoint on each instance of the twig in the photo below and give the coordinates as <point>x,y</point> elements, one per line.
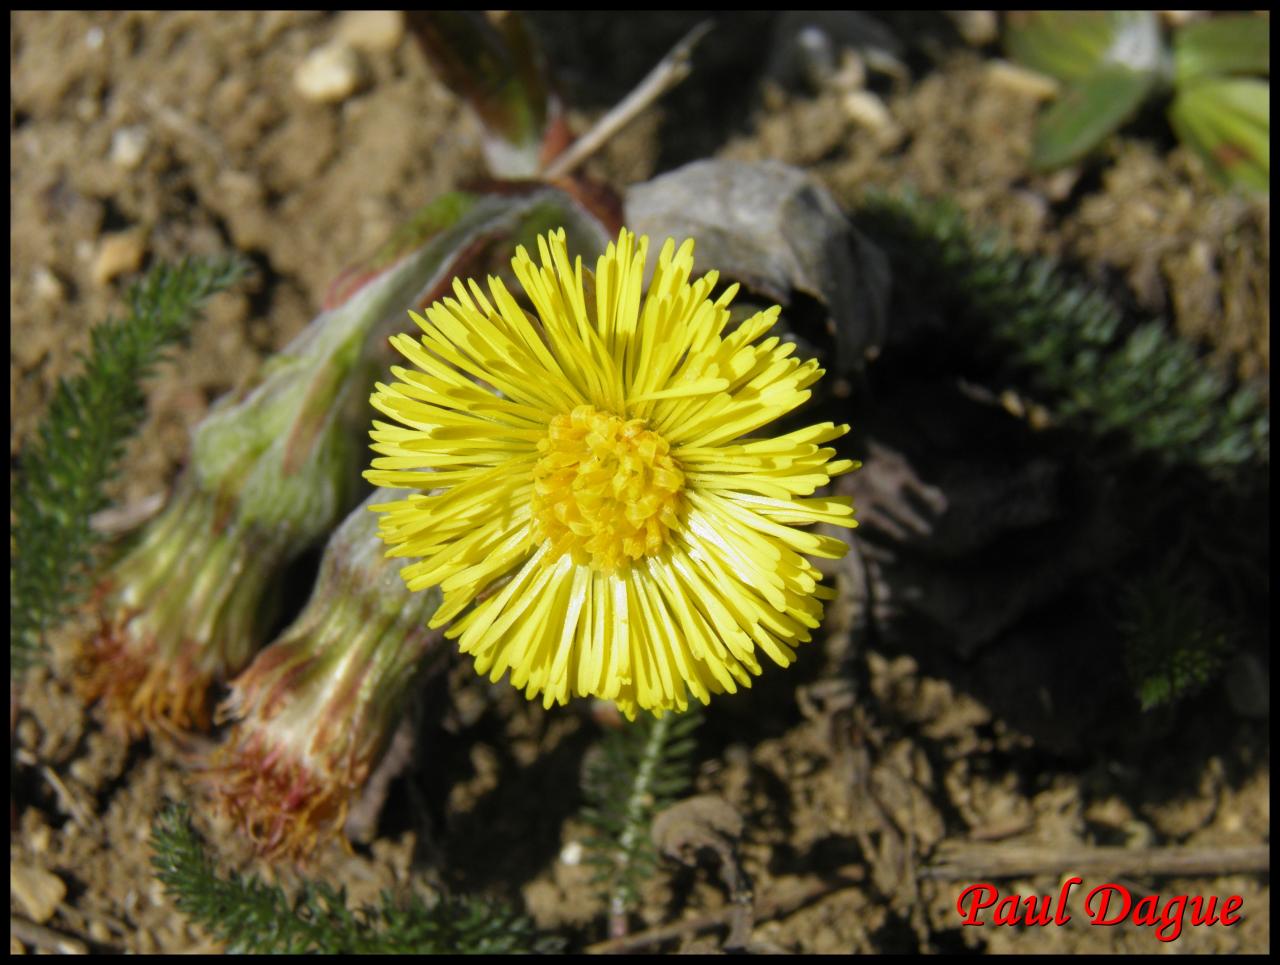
<point>121,519</point>
<point>845,877</point>
<point>184,126</point>
<point>45,938</point>
<point>69,803</point>
<point>671,70</point>
<point>962,860</point>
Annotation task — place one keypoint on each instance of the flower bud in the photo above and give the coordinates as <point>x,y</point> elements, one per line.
<point>315,710</point>
<point>273,468</point>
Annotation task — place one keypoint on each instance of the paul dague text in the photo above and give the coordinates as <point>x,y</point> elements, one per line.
<point>1107,904</point>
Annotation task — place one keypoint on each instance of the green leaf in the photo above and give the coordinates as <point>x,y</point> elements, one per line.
<point>1071,44</point>
<point>1238,44</point>
<point>1228,123</point>
<point>1086,113</point>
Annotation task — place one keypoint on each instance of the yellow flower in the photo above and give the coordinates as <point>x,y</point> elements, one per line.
<point>597,513</point>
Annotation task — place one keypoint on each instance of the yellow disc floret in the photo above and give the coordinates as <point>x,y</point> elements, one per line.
<point>606,490</point>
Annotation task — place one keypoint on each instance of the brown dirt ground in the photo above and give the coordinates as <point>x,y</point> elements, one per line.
<point>864,780</point>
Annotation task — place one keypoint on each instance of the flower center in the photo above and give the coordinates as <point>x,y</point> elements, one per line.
<point>606,490</point>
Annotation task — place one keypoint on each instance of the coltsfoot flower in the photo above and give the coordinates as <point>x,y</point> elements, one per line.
<point>597,509</point>
<point>273,468</point>
<point>315,710</point>
<point>179,609</point>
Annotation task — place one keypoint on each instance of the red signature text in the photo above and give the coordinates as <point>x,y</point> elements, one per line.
<point>1107,904</point>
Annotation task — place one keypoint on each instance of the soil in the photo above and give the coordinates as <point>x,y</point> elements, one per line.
<point>144,136</point>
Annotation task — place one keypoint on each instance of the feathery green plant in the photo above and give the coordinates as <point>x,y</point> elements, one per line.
<point>1175,642</point>
<point>78,446</point>
<point>250,916</point>
<point>639,769</point>
<point>1071,340</point>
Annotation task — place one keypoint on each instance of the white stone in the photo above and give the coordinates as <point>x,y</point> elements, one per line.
<point>1020,80</point>
<point>977,27</point>
<point>329,74</point>
<point>129,146</point>
<point>118,254</point>
<point>39,892</point>
<point>571,854</point>
<point>375,31</point>
<point>47,286</point>
<point>868,111</point>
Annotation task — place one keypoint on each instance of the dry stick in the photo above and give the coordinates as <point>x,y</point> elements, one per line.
<point>845,877</point>
<point>671,70</point>
<point>45,938</point>
<point>69,803</point>
<point>970,862</point>
<point>115,520</point>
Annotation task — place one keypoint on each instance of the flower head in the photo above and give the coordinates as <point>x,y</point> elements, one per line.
<point>183,606</point>
<point>314,711</point>
<point>598,511</point>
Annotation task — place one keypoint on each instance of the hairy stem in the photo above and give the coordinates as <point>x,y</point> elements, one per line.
<point>641,797</point>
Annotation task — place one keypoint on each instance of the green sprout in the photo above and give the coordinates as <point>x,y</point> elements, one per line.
<point>1078,353</point>
<point>1175,642</point>
<point>639,769</point>
<point>248,915</point>
<point>80,442</point>
<point>1214,73</point>
<point>315,710</point>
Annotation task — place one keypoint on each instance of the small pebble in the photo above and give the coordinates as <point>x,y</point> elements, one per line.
<point>38,891</point>
<point>852,73</point>
<point>1248,686</point>
<point>328,75</point>
<point>146,942</point>
<point>867,110</point>
<point>375,31</point>
<point>977,27</point>
<point>1059,185</point>
<point>1019,80</point>
<point>118,254</point>
<point>47,286</point>
<point>129,146</point>
<point>1180,18</point>
<point>571,854</point>
<point>88,109</point>
<point>39,838</point>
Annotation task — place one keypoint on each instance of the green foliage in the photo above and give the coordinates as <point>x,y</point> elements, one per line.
<point>1110,62</point>
<point>1227,121</point>
<point>639,770</point>
<point>1080,358</point>
<point>250,916</point>
<point>1222,46</point>
<point>1087,112</point>
<point>78,446</point>
<point>1071,44</point>
<point>1174,640</point>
